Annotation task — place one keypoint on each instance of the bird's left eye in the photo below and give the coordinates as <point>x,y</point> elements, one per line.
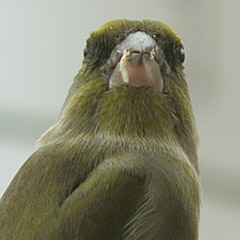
<point>181,55</point>
<point>85,52</point>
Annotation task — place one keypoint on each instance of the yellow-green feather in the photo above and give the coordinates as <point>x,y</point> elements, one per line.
<point>61,191</point>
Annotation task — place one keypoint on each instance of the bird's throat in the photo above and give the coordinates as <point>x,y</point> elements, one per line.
<point>138,111</point>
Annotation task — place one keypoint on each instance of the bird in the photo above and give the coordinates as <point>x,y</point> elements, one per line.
<point>121,161</point>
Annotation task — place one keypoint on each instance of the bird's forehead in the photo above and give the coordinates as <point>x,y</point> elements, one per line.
<point>122,28</point>
<point>102,41</point>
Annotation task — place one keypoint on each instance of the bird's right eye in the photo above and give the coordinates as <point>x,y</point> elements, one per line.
<point>181,55</point>
<point>85,52</point>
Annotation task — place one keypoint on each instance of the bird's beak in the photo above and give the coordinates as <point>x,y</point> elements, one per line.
<point>137,64</point>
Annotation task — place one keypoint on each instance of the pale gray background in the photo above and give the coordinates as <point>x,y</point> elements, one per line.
<point>41,45</point>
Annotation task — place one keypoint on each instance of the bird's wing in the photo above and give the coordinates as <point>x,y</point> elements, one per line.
<point>102,205</point>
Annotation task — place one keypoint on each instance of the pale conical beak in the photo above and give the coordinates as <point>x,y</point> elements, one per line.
<point>137,65</point>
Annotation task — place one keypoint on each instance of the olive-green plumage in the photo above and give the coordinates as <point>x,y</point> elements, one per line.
<point>120,163</point>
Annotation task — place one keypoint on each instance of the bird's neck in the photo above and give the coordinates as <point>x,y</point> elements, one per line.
<point>121,111</point>
<point>135,112</point>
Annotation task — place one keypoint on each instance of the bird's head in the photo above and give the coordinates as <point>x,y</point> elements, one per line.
<point>132,84</point>
<point>134,53</point>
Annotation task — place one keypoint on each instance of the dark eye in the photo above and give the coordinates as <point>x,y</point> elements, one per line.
<point>85,52</point>
<point>181,55</point>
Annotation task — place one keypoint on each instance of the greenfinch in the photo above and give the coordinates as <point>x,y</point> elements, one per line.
<point>121,161</point>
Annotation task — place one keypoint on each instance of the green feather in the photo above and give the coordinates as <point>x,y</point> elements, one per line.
<point>119,164</point>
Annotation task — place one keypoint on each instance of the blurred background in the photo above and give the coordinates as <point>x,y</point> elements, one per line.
<point>41,47</point>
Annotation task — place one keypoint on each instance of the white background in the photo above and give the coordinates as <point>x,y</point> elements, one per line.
<point>41,45</point>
